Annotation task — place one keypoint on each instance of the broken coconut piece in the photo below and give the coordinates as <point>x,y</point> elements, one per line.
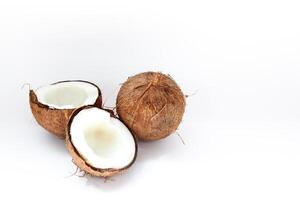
<point>52,105</point>
<point>99,143</point>
<point>151,104</point>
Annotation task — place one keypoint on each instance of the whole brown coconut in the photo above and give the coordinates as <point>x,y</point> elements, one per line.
<point>151,104</point>
<point>53,119</point>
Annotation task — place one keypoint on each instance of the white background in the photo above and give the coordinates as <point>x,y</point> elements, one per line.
<point>241,127</point>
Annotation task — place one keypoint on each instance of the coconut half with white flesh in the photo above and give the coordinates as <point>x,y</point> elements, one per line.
<point>99,143</point>
<point>52,105</point>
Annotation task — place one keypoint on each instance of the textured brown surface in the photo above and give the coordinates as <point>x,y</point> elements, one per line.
<point>151,104</point>
<point>54,120</point>
<point>79,159</point>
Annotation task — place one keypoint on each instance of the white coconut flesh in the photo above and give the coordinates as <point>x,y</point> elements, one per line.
<point>67,95</point>
<point>103,141</point>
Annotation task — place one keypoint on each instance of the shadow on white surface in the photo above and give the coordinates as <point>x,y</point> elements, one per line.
<point>54,142</point>
<point>147,152</point>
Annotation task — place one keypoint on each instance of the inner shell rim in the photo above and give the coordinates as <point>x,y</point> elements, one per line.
<point>97,93</point>
<point>101,170</point>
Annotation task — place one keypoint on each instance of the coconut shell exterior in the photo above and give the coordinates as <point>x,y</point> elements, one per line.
<point>79,160</point>
<point>52,119</point>
<point>151,104</point>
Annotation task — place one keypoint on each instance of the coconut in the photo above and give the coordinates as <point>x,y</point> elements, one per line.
<point>53,104</point>
<point>99,143</point>
<point>151,104</point>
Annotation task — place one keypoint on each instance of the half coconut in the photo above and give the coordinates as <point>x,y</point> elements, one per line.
<point>52,105</point>
<point>99,143</point>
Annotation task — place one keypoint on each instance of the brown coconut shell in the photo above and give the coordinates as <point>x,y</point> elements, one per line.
<point>151,104</point>
<point>52,119</point>
<point>79,160</point>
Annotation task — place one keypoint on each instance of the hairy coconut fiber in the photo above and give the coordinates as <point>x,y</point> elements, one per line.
<point>151,104</point>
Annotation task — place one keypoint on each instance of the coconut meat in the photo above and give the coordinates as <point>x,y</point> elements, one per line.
<point>67,95</point>
<point>102,141</point>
